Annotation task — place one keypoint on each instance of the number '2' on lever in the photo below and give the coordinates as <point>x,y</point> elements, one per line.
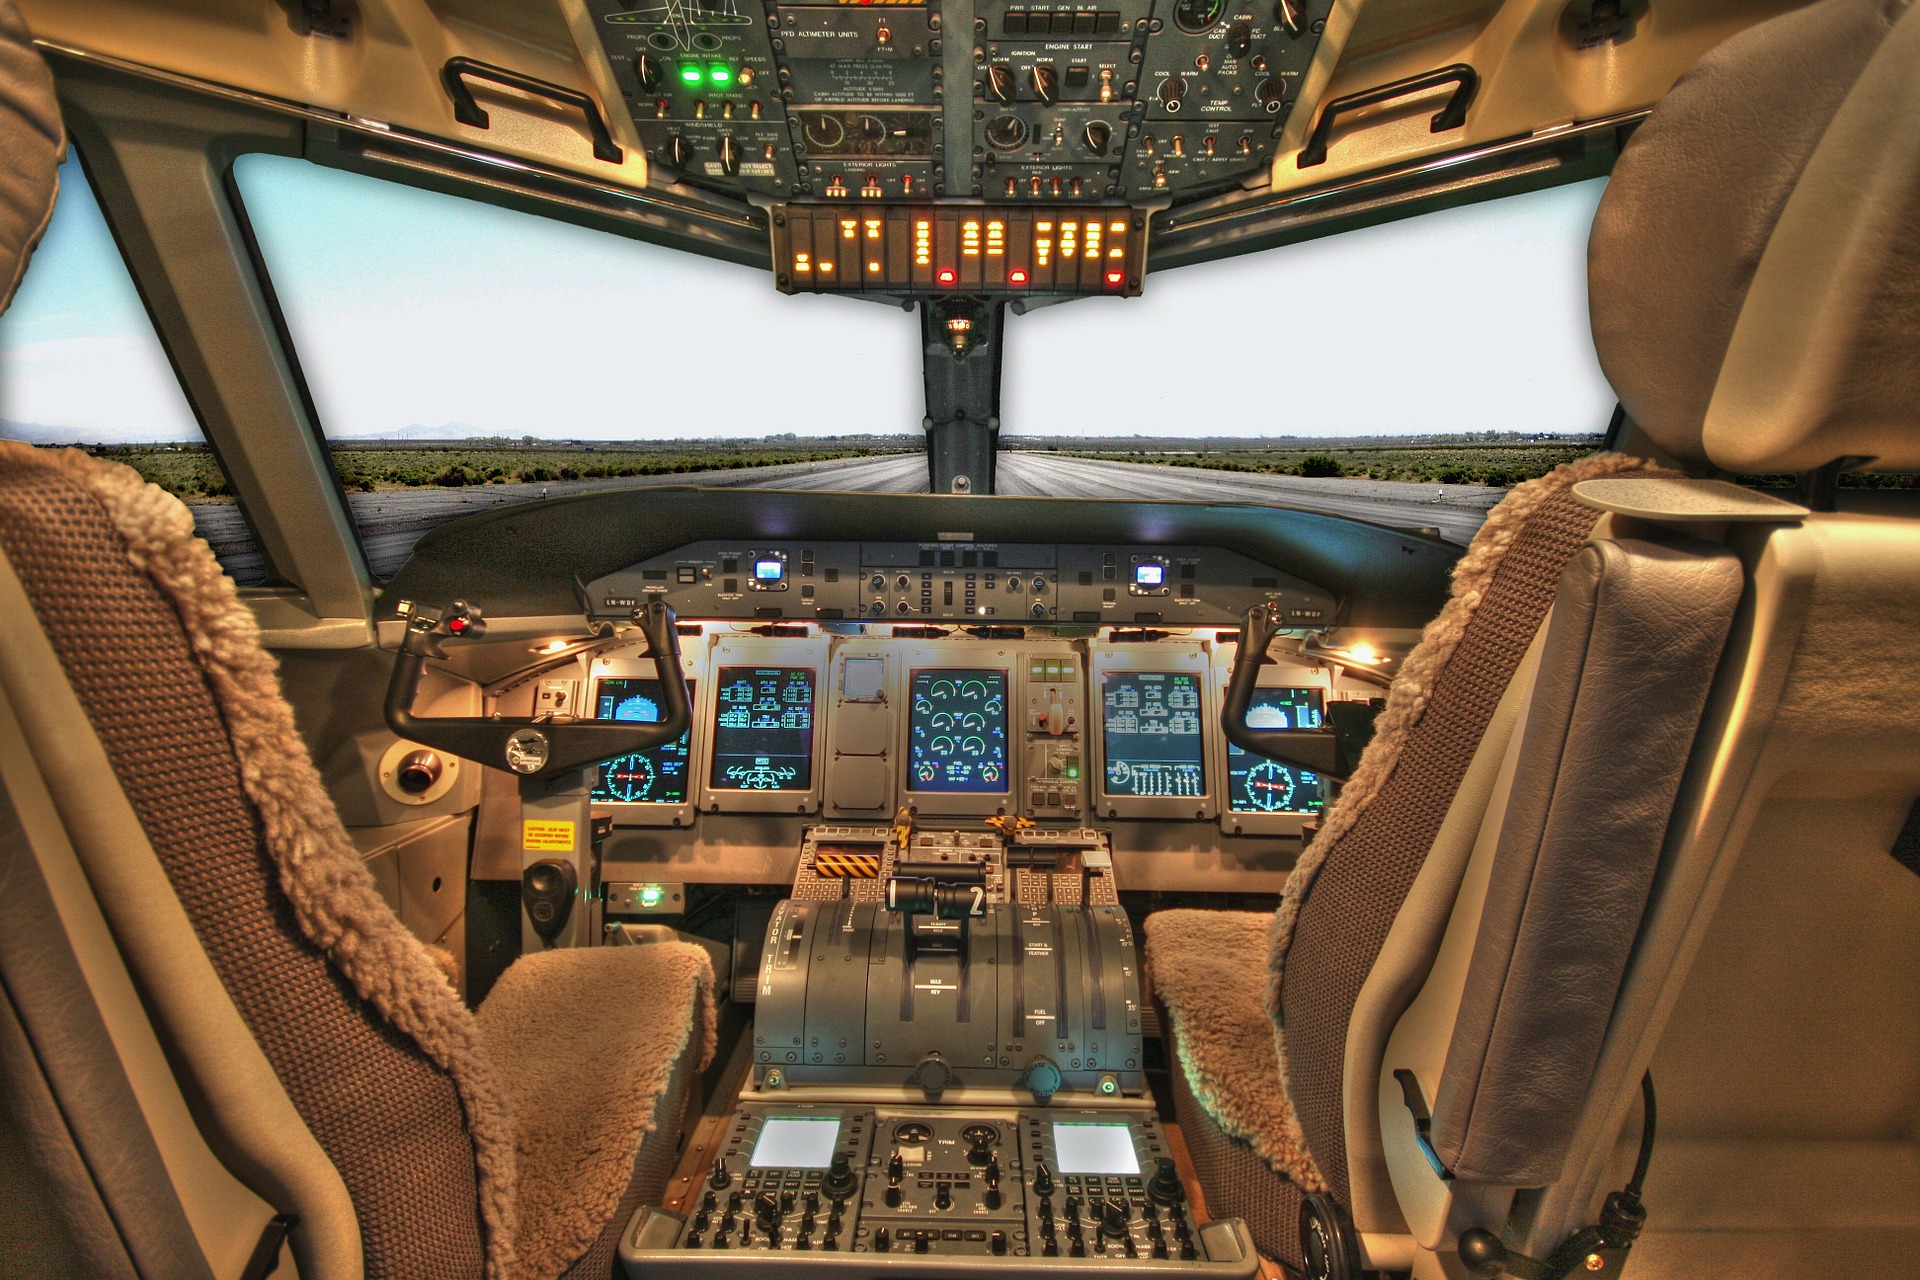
<point>532,749</point>
<point>1315,750</point>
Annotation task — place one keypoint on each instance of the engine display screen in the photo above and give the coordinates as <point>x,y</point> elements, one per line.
<point>763,729</point>
<point>796,1142</point>
<point>1093,1147</point>
<point>654,776</point>
<point>957,735</point>
<point>1259,785</point>
<point>1151,726</point>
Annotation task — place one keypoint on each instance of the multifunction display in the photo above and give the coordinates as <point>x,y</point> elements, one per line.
<point>796,1142</point>
<point>763,729</point>
<point>1095,1147</point>
<point>655,776</point>
<point>1259,785</point>
<point>957,736</point>
<point>1151,726</point>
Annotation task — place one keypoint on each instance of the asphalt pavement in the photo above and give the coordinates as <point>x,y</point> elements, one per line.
<point>391,522</point>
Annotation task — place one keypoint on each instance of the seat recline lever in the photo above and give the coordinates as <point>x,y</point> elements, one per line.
<point>530,749</point>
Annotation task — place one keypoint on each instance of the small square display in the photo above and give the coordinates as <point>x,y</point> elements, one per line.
<point>769,570</point>
<point>796,1142</point>
<point>1093,1147</point>
<point>1149,575</point>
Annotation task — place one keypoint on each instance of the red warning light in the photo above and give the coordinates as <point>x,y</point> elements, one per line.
<point>1115,277</point>
<point>1016,276</point>
<point>946,275</point>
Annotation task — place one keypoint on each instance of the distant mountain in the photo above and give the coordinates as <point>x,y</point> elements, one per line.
<point>37,434</point>
<point>417,431</point>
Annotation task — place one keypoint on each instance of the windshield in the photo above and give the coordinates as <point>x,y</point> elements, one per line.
<point>462,356</point>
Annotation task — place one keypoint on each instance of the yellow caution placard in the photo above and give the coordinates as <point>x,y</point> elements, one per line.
<point>546,836</point>
<point>834,865</point>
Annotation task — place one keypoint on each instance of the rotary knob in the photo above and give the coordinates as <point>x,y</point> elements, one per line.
<point>1097,135</point>
<point>1043,1078</point>
<point>932,1075</point>
<point>1046,84</point>
<point>1173,92</point>
<point>1164,1187</point>
<point>647,67</point>
<point>1000,84</point>
<point>1113,1219</point>
<point>729,156</point>
<point>679,152</point>
<point>840,1181</point>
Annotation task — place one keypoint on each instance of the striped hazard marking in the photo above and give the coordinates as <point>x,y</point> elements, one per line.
<point>836,865</point>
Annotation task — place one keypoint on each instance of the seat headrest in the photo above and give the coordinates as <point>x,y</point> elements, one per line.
<point>31,139</point>
<point>1695,198</point>
<point>1825,362</point>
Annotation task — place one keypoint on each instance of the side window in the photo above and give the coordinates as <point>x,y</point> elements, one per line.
<point>1450,350</point>
<point>80,365</point>
<point>462,356</point>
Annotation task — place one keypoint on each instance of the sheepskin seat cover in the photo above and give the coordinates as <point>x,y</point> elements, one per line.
<point>1228,1010</point>
<point>496,1145</point>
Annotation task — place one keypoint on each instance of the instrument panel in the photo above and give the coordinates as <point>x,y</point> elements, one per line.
<point>1103,728</point>
<point>960,580</point>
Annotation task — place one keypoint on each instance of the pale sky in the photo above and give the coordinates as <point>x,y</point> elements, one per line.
<point>410,307</point>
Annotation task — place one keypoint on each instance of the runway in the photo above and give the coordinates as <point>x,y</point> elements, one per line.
<point>391,522</point>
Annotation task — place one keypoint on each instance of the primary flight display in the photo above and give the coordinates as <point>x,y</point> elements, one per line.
<point>1258,785</point>
<point>655,776</point>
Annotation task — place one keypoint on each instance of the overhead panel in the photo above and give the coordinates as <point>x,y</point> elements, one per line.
<point>958,145</point>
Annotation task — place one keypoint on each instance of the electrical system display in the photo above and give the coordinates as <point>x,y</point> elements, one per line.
<point>1258,785</point>
<point>1105,1149</point>
<point>796,1142</point>
<point>763,729</point>
<point>1151,726</point>
<point>654,776</point>
<point>957,736</point>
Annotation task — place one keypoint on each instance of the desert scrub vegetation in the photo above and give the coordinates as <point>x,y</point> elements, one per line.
<point>191,473</point>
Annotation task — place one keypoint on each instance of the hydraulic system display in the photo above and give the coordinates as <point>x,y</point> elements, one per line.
<point>957,736</point>
<point>763,729</point>
<point>654,776</point>
<point>1151,721</point>
<point>1256,785</point>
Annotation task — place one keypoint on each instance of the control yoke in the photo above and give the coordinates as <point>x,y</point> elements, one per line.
<point>1315,750</point>
<point>531,749</point>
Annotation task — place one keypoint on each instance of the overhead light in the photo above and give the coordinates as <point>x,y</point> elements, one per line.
<point>551,646</point>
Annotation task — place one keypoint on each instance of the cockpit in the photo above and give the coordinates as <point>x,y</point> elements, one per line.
<point>906,765</point>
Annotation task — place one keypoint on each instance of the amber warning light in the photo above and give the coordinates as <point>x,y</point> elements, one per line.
<point>834,247</point>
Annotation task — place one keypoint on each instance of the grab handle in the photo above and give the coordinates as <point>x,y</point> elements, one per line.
<point>469,112</point>
<point>1451,116</point>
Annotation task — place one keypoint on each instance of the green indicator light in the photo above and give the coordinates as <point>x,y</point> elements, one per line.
<point>1073,771</point>
<point>720,73</point>
<point>690,73</point>
<point>652,895</point>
